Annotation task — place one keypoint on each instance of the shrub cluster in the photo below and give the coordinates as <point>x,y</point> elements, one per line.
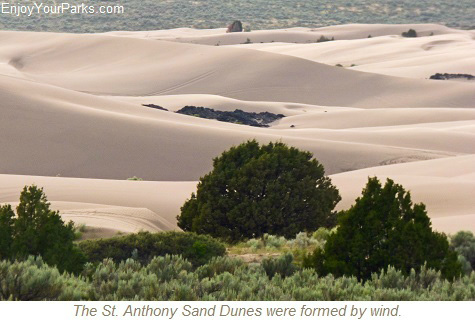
<point>270,243</point>
<point>143,246</point>
<point>223,279</point>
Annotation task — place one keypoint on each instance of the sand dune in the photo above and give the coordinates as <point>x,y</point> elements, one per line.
<point>72,107</point>
<point>136,67</point>
<point>389,55</point>
<point>115,205</point>
<point>55,132</point>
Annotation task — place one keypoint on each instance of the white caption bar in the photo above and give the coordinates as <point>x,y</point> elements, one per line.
<point>235,311</point>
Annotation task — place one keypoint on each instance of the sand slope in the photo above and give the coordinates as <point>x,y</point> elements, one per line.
<point>117,205</point>
<point>55,132</point>
<point>137,67</point>
<point>389,55</point>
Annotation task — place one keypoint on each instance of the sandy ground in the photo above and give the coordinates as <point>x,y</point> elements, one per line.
<point>73,120</point>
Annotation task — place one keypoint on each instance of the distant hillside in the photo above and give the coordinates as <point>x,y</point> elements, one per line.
<point>255,14</point>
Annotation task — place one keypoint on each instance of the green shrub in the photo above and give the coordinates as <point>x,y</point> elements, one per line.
<point>198,249</point>
<point>7,222</point>
<point>282,265</point>
<point>322,234</point>
<point>253,190</point>
<point>299,246</point>
<point>39,231</point>
<point>134,178</point>
<point>219,265</point>
<point>302,240</point>
<point>169,267</point>
<point>34,280</point>
<point>383,228</point>
<point>325,39</point>
<point>463,243</point>
<point>274,242</point>
<point>254,244</point>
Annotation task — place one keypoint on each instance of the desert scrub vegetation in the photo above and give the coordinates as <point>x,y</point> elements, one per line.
<point>135,178</point>
<point>383,248</point>
<point>33,280</point>
<point>272,245</point>
<point>143,246</point>
<point>172,277</point>
<point>257,14</point>
<point>79,230</point>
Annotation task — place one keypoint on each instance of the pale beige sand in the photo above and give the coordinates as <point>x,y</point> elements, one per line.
<point>118,205</point>
<point>125,66</point>
<point>390,55</point>
<point>221,103</point>
<point>71,106</point>
<point>375,118</point>
<point>72,134</point>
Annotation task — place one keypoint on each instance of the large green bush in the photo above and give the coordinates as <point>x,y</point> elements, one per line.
<point>38,231</point>
<point>383,228</point>
<point>143,246</point>
<point>253,190</point>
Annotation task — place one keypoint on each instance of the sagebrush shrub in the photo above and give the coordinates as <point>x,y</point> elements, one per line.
<point>198,249</point>
<point>34,280</point>
<point>222,279</point>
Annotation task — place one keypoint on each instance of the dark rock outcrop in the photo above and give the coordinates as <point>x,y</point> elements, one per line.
<point>238,116</point>
<point>236,26</point>
<point>446,76</point>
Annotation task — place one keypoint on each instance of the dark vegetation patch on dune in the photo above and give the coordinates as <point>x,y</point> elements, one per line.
<point>262,119</point>
<point>446,76</point>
